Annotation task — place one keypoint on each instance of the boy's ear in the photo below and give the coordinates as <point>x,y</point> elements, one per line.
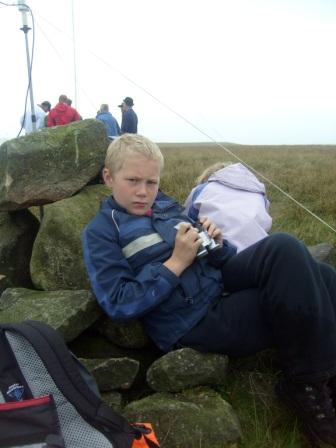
<point>107,177</point>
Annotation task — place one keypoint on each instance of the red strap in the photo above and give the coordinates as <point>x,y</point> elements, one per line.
<point>24,403</point>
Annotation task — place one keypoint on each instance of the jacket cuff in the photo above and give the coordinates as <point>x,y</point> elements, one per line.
<point>219,257</point>
<point>173,279</point>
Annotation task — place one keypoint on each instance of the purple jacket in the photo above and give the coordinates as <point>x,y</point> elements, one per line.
<point>235,200</point>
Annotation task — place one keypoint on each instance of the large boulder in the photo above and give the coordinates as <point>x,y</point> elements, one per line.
<point>57,259</point>
<point>194,418</point>
<point>69,312</point>
<point>51,164</point>
<point>17,234</point>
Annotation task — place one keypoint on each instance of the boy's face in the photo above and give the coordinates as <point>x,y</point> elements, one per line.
<point>136,184</point>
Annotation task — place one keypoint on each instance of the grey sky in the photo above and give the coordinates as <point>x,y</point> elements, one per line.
<point>245,71</point>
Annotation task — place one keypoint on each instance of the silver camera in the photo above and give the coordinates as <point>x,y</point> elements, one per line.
<point>208,243</point>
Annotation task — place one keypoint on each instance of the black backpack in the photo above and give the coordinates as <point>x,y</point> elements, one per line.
<point>44,399</point>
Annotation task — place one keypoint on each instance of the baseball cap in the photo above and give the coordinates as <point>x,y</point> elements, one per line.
<point>46,104</point>
<point>128,101</point>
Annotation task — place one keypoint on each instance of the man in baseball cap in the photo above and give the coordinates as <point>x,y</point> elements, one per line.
<point>129,122</point>
<point>128,101</point>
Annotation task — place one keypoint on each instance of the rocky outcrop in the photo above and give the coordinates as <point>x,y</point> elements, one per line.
<point>42,277</point>
<point>50,165</point>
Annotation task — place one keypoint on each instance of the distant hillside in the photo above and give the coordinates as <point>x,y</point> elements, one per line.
<point>237,146</point>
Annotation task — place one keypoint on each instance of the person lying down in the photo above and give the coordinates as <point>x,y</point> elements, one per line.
<point>230,195</point>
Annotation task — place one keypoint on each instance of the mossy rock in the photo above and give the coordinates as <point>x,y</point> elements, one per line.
<point>57,258</point>
<point>196,417</point>
<point>51,164</point>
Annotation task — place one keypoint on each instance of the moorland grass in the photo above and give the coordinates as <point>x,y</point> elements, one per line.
<point>307,173</point>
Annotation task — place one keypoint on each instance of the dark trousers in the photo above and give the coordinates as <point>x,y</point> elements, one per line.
<point>281,297</point>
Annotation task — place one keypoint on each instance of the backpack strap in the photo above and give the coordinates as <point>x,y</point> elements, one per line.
<point>54,353</point>
<point>13,384</point>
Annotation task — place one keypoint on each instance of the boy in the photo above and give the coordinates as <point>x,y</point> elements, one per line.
<point>141,256</point>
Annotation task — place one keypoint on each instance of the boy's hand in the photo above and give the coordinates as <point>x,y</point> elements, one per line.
<point>213,231</point>
<point>187,242</point>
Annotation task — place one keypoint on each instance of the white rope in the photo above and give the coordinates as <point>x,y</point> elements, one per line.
<point>278,188</point>
<point>166,106</point>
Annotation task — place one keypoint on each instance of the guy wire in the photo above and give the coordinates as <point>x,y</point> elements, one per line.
<point>166,106</point>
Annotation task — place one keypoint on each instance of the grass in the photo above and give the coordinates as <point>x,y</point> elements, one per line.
<point>250,390</point>
<point>307,173</point>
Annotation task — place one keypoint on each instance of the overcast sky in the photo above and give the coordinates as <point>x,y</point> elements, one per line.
<point>243,71</point>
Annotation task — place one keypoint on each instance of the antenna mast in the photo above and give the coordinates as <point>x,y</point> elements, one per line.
<point>74,51</point>
<point>23,8</point>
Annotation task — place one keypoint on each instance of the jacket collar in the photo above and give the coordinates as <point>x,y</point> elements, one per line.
<point>162,203</point>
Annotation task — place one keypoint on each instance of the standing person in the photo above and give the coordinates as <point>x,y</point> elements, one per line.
<point>140,251</point>
<point>129,121</point>
<point>231,195</point>
<point>62,113</point>
<point>69,103</point>
<point>41,111</point>
<point>110,123</point>
<point>46,107</point>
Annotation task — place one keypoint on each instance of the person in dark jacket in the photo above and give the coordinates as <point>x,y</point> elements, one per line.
<point>129,121</point>
<point>69,103</point>
<point>110,123</point>
<point>142,255</point>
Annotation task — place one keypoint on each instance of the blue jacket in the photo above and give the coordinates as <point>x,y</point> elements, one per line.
<point>129,122</point>
<point>110,123</point>
<point>124,256</point>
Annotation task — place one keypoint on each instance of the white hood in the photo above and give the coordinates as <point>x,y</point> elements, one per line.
<point>239,177</point>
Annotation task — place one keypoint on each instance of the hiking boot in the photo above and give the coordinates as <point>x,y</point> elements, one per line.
<point>314,408</point>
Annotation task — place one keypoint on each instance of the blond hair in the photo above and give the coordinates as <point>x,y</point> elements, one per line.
<point>122,147</point>
<point>210,170</point>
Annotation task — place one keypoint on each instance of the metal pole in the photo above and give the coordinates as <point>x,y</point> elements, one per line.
<point>25,28</point>
<point>74,51</point>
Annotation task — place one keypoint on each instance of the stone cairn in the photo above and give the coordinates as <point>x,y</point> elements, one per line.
<point>48,194</point>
